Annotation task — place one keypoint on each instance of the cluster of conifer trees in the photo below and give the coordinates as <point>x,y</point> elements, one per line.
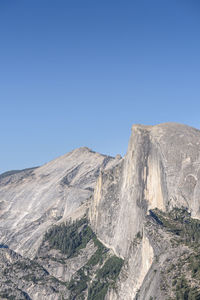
<point>70,238</point>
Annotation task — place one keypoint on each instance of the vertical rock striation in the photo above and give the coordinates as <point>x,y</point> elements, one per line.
<point>160,170</point>
<point>31,201</point>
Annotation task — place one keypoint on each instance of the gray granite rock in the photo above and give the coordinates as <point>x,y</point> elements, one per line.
<point>160,170</point>
<point>31,201</point>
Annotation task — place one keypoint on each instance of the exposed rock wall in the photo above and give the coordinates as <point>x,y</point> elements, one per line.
<point>161,169</point>
<point>31,201</point>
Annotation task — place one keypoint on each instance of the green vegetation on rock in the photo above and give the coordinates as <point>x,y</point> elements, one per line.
<point>101,270</point>
<point>105,276</point>
<point>179,222</point>
<point>186,292</point>
<point>70,238</point>
<point>185,273</point>
<point>96,282</point>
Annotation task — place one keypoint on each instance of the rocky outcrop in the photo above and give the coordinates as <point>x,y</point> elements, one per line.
<point>160,170</point>
<point>32,200</point>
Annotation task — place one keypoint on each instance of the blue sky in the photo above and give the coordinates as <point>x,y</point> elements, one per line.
<point>80,73</point>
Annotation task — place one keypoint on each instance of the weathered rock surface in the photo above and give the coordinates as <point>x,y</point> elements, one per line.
<point>22,278</point>
<point>160,170</point>
<point>61,267</point>
<point>32,200</point>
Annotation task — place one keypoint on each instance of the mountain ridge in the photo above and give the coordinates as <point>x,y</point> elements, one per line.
<point>118,196</point>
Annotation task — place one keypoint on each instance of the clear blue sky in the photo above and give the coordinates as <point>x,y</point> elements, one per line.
<point>80,73</point>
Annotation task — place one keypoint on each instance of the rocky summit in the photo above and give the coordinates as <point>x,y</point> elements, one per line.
<point>90,226</point>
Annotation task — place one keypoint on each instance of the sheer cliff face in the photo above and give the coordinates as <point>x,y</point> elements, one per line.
<point>161,169</point>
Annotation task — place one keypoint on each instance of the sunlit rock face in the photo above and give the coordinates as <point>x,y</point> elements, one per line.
<point>31,201</point>
<point>160,169</point>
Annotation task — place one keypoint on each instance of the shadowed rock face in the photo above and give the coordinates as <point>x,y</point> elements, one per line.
<point>160,170</point>
<point>31,201</point>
